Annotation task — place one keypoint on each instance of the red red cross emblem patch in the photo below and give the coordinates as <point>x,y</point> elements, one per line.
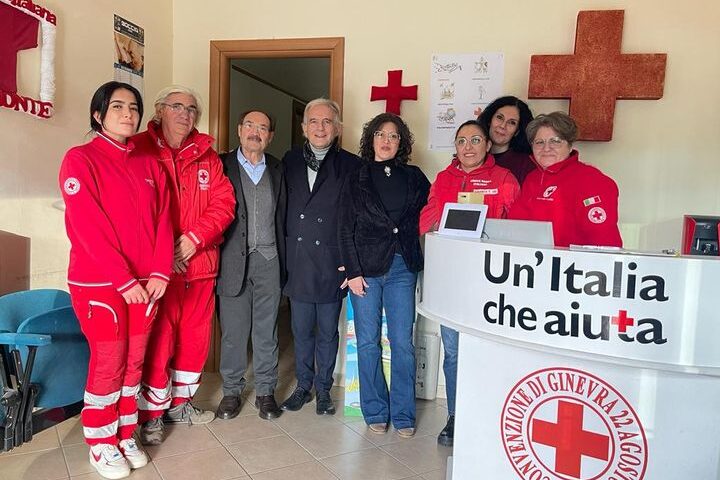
<point>597,215</point>
<point>71,186</point>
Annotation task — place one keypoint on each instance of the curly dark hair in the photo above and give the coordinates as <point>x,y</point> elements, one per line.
<point>519,142</point>
<point>367,152</point>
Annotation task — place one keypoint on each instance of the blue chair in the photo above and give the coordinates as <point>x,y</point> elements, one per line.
<point>43,363</point>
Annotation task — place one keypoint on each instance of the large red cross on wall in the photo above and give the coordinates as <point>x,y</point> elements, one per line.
<point>597,74</point>
<point>571,442</point>
<point>394,92</point>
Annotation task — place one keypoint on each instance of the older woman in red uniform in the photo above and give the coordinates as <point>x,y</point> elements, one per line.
<point>579,200</point>
<point>473,169</point>
<point>118,221</point>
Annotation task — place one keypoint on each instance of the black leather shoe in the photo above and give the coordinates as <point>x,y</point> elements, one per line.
<point>267,408</point>
<point>296,400</point>
<point>229,407</point>
<point>446,436</point>
<point>324,404</point>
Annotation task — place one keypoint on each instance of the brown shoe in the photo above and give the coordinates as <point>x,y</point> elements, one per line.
<point>406,432</point>
<point>378,427</point>
<point>267,407</point>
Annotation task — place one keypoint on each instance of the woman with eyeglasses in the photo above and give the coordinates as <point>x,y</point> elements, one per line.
<point>380,247</point>
<point>579,200</point>
<point>117,218</point>
<point>202,204</point>
<point>472,169</point>
<point>505,120</point>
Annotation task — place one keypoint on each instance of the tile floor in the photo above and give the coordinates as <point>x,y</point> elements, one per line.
<point>298,445</point>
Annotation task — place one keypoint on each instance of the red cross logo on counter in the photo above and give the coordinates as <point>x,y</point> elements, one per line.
<point>597,74</point>
<point>394,92</point>
<point>570,440</point>
<point>623,321</point>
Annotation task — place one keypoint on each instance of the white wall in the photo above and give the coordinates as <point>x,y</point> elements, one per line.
<point>33,148</point>
<point>662,154</point>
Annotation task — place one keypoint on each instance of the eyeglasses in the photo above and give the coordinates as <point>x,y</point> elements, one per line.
<point>179,108</point>
<point>474,141</point>
<point>316,123</point>
<point>255,126</point>
<point>392,137</point>
<point>552,142</point>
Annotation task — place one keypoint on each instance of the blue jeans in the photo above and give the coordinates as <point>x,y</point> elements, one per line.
<point>450,346</point>
<point>395,291</point>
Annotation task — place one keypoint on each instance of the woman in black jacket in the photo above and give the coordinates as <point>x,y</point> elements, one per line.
<point>379,244</point>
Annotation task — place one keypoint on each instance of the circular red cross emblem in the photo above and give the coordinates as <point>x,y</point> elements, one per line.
<point>564,423</point>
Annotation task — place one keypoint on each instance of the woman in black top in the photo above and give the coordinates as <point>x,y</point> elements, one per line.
<point>505,120</point>
<point>380,247</point>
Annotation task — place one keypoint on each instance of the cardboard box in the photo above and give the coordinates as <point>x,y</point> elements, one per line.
<point>14,263</point>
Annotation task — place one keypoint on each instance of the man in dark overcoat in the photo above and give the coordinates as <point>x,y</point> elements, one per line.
<point>316,284</point>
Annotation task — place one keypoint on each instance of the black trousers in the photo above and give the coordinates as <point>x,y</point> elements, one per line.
<point>315,329</point>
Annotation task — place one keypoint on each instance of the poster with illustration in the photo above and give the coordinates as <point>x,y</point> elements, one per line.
<point>129,52</point>
<point>460,86</point>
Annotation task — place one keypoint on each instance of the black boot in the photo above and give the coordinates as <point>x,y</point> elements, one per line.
<point>446,436</point>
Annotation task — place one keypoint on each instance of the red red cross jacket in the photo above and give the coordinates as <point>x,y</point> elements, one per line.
<point>498,185</point>
<point>116,215</point>
<point>202,201</point>
<point>579,200</point>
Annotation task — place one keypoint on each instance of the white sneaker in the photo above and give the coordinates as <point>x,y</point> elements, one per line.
<point>135,456</point>
<point>108,461</point>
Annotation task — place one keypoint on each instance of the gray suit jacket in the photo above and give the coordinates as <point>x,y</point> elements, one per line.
<point>234,250</point>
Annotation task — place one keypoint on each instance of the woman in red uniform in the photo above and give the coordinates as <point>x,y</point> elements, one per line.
<point>579,200</point>
<point>473,169</point>
<point>118,223</point>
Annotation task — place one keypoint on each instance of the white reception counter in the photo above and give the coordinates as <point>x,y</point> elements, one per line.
<point>577,364</point>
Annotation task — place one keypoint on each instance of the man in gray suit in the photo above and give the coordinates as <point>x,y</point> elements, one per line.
<point>251,268</point>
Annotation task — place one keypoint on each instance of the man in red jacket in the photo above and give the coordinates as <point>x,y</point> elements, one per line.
<point>202,206</point>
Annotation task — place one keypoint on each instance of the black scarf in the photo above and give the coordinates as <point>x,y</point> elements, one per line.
<point>312,162</point>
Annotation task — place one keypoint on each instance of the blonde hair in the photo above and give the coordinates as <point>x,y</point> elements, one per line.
<point>167,91</point>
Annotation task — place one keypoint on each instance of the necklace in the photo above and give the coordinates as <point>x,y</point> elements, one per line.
<point>388,171</point>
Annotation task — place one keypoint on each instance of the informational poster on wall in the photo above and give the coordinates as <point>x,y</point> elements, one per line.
<point>460,86</point>
<point>129,52</point>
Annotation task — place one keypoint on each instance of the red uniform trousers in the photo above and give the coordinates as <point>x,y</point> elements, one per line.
<point>117,334</point>
<point>178,347</point>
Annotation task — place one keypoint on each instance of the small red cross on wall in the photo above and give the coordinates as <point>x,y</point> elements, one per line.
<point>394,92</point>
<point>597,74</point>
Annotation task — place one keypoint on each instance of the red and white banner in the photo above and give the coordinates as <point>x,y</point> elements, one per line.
<point>19,23</point>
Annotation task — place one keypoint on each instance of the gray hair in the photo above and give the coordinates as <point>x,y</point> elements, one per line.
<point>332,104</point>
<point>167,91</point>
<point>561,122</point>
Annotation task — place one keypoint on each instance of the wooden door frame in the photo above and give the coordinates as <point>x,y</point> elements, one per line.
<point>223,51</point>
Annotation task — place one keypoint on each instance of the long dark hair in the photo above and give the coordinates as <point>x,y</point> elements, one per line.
<point>367,151</point>
<point>519,142</point>
<point>101,102</point>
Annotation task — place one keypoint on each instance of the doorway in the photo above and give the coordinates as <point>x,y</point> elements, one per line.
<point>281,87</point>
<point>255,56</point>
<point>269,65</point>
